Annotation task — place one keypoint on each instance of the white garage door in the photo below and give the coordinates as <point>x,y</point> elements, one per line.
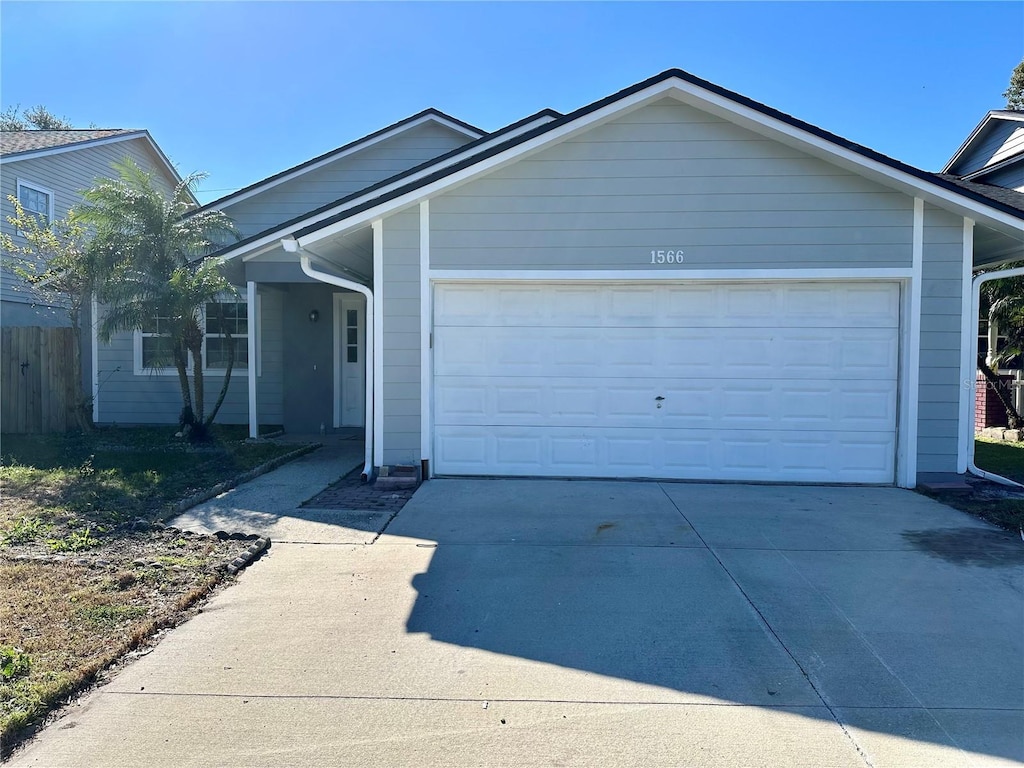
<point>769,381</point>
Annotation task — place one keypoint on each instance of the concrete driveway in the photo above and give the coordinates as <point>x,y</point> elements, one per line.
<point>532,622</point>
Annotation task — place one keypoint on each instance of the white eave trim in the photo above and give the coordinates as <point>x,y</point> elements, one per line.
<point>357,146</point>
<point>703,99</point>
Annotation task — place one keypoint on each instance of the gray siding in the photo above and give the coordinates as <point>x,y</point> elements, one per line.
<point>342,177</point>
<point>125,398</point>
<point>1002,140</point>
<point>400,283</point>
<point>939,385</point>
<point>668,176</point>
<point>1011,178</point>
<point>64,174</point>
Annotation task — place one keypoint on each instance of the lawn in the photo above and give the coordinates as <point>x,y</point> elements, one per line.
<point>85,575</point>
<point>1006,459</point>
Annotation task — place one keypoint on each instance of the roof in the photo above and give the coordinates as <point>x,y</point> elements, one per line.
<point>345,149</point>
<point>15,142</point>
<point>393,187</point>
<point>995,114</point>
<point>969,191</point>
<point>998,194</point>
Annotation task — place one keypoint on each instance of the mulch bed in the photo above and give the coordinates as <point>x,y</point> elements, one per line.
<point>351,492</point>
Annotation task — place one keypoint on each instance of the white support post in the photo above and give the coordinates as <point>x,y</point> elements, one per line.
<point>250,314</point>
<point>378,343</point>
<point>968,342</point>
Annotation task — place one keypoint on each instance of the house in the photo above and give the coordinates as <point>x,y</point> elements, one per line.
<point>45,170</point>
<point>675,281</point>
<point>992,161</point>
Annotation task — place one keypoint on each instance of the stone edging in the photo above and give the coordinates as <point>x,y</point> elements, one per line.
<point>257,548</point>
<point>208,493</point>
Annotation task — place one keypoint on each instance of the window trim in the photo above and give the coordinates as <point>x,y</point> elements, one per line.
<point>21,183</point>
<point>140,370</point>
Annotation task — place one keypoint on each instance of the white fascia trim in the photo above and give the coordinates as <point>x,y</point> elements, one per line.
<point>94,322</point>
<point>378,343</point>
<point>359,146</point>
<point>426,315</point>
<point>975,308</point>
<point>651,275</point>
<point>968,367</point>
<point>911,373</point>
<point>324,277</point>
<point>252,322</point>
<point>690,94</point>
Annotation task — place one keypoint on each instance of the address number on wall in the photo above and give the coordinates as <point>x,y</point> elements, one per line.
<point>666,257</point>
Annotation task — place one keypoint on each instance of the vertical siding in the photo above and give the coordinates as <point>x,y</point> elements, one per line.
<point>65,175</point>
<point>342,177</point>
<point>401,342</point>
<point>669,176</point>
<point>149,398</point>
<point>941,307</point>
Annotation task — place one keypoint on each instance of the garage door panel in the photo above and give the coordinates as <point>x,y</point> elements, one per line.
<point>780,381</point>
<point>698,455</point>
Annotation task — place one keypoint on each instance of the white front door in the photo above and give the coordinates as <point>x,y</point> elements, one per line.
<point>725,381</point>
<point>350,352</point>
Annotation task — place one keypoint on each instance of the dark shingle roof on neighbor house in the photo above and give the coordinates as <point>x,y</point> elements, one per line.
<point>16,142</point>
<point>1002,195</point>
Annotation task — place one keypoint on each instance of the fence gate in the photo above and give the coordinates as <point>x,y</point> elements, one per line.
<point>38,381</point>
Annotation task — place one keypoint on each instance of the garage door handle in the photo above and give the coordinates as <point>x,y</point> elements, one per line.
<point>659,398</point>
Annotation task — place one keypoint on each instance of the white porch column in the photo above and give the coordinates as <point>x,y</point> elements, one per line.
<point>250,315</point>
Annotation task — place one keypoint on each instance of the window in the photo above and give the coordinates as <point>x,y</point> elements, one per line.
<point>36,200</point>
<point>222,319</point>
<point>154,352</point>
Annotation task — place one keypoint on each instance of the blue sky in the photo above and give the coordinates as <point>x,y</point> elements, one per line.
<point>243,90</point>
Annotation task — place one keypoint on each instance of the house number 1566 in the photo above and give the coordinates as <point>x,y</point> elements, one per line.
<point>666,257</point>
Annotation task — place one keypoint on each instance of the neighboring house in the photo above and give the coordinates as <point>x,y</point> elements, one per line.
<point>991,161</point>
<point>46,171</point>
<point>674,282</point>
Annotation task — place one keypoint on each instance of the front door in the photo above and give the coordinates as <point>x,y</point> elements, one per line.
<point>351,355</point>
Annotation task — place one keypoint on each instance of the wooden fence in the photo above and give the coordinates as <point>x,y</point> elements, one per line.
<point>38,381</point>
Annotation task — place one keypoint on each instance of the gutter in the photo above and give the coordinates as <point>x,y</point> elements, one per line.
<point>977,282</point>
<point>291,245</point>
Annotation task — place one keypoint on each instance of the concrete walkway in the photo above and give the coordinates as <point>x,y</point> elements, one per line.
<point>527,622</point>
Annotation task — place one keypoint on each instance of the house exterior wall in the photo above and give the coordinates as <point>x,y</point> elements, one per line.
<point>1003,139</point>
<point>1011,178</point>
<point>668,176</point>
<point>342,177</point>
<point>941,313</point>
<point>400,285</point>
<point>150,398</point>
<point>64,174</point>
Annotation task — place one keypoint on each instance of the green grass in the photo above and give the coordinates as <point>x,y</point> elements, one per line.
<point>115,475</point>
<point>1006,459</point>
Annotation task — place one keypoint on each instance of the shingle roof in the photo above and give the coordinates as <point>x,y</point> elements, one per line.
<point>14,142</point>
<point>999,194</point>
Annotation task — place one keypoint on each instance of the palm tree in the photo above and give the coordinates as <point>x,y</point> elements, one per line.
<point>1005,301</point>
<point>153,251</point>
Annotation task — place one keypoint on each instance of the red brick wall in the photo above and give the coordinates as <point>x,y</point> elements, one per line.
<point>988,411</point>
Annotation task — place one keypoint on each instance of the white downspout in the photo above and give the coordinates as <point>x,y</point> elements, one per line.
<point>975,310</point>
<point>292,246</point>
